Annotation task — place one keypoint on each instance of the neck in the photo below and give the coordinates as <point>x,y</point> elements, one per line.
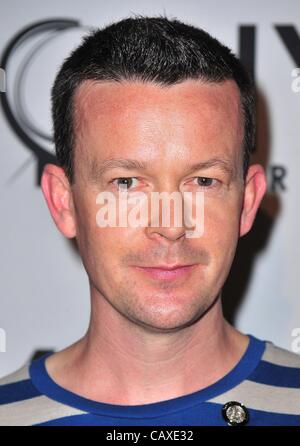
<point>130,364</point>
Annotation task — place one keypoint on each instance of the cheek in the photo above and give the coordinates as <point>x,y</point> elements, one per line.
<point>221,226</point>
<point>101,246</point>
<point>108,247</point>
<point>220,239</point>
<point>101,251</point>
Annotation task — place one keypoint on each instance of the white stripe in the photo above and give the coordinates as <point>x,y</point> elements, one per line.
<point>18,375</point>
<point>279,356</point>
<point>34,411</point>
<point>263,397</point>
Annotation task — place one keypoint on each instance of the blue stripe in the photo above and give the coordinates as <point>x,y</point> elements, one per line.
<point>206,414</point>
<point>18,391</point>
<point>276,375</point>
<point>199,415</point>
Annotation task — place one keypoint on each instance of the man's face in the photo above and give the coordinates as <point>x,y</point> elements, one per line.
<point>168,130</point>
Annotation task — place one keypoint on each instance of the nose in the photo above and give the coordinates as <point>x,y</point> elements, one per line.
<point>166,219</point>
<point>171,234</point>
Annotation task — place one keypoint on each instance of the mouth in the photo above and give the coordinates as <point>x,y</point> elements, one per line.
<point>167,272</point>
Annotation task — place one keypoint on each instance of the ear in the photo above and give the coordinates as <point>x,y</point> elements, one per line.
<point>255,188</point>
<point>58,195</point>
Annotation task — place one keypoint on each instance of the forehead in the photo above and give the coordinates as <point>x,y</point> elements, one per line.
<point>119,118</point>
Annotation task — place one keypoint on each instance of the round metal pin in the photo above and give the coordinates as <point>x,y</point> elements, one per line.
<point>235,413</point>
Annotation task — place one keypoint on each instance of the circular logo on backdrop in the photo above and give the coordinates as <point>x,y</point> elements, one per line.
<point>26,100</point>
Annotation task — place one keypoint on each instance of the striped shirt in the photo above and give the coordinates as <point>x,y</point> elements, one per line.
<point>266,381</point>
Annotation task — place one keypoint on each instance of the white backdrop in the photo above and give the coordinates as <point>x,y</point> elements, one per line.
<point>44,297</point>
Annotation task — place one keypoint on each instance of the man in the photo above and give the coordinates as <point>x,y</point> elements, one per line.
<point>154,105</point>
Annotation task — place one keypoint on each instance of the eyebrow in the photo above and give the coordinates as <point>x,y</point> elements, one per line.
<point>222,163</point>
<point>97,170</point>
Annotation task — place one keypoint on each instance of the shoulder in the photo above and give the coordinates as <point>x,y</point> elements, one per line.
<point>274,385</point>
<point>278,372</point>
<point>15,390</point>
<point>22,403</point>
<point>271,391</point>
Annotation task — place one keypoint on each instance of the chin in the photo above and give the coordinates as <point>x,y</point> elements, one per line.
<point>159,326</point>
<point>164,318</point>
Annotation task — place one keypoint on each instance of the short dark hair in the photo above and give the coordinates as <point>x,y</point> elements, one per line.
<point>151,49</point>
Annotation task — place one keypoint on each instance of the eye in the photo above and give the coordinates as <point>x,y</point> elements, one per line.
<point>206,182</point>
<point>125,182</point>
